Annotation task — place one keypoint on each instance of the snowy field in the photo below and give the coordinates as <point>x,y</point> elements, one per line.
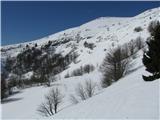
<point>25,104</point>
<point>130,97</point>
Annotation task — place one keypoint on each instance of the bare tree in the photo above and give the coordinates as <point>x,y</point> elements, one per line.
<point>90,88</point>
<point>86,91</point>
<point>45,110</point>
<point>131,47</point>
<point>81,92</point>
<point>57,97</point>
<point>53,100</point>
<point>114,66</point>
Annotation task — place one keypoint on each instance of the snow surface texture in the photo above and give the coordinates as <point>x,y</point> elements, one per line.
<point>129,98</point>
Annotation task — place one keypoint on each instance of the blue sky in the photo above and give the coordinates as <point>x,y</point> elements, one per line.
<point>25,21</point>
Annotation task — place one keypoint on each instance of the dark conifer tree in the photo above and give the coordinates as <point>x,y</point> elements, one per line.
<point>151,58</point>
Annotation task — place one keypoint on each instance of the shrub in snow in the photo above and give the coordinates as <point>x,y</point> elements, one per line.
<point>134,46</point>
<point>81,92</point>
<point>89,45</point>
<point>138,29</point>
<point>78,38</point>
<point>35,45</point>
<point>86,91</point>
<point>114,66</point>
<point>82,70</point>
<point>50,106</point>
<point>139,43</point>
<point>88,68</point>
<point>131,47</point>
<point>89,37</point>
<point>77,72</point>
<point>67,75</point>
<point>90,88</point>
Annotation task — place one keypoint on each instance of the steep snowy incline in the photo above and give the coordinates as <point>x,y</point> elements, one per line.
<point>104,33</point>
<point>129,98</point>
<point>104,26</point>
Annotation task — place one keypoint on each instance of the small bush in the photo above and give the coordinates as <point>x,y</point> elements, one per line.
<point>90,88</point>
<point>86,91</point>
<point>83,91</point>
<point>77,72</point>
<point>89,45</point>
<point>82,70</point>
<point>89,37</point>
<point>139,43</point>
<point>67,75</point>
<point>88,68</point>
<point>131,47</point>
<point>138,29</point>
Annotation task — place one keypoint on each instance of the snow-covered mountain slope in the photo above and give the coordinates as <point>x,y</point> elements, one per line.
<point>104,32</point>
<point>130,97</point>
<point>24,105</point>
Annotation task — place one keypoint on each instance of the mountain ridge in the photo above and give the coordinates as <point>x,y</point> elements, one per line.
<point>99,18</point>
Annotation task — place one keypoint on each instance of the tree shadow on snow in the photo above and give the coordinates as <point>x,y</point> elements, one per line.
<point>8,100</point>
<point>15,93</point>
